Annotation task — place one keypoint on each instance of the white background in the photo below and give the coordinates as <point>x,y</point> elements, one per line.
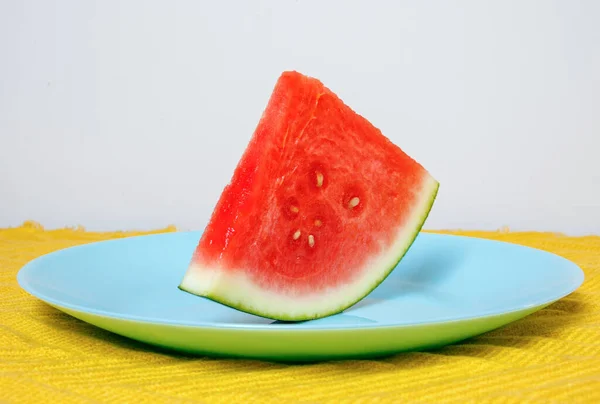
<point>133,114</point>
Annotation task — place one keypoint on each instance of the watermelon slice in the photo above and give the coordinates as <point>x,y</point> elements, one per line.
<point>320,209</point>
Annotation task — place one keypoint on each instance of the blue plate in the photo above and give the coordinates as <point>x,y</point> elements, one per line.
<point>447,288</point>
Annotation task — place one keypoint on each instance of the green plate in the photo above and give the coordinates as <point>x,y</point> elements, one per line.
<point>446,289</point>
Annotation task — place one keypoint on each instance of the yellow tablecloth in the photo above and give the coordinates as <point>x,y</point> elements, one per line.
<point>47,356</point>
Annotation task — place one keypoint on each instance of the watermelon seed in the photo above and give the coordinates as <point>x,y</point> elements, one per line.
<point>353,202</point>
<point>319,179</point>
<point>294,209</point>
<point>296,235</point>
<point>318,223</point>
<point>311,240</point>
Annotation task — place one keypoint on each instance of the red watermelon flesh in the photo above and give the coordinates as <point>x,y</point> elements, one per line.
<point>320,209</point>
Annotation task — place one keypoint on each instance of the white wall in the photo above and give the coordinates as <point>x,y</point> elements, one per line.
<point>133,114</point>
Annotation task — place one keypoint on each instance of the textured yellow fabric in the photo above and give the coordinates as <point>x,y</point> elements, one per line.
<point>47,356</point>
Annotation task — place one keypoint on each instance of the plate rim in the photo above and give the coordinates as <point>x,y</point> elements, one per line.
<point>577,280</point>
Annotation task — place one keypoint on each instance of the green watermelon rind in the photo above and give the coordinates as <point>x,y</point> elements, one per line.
<point>425,206</point>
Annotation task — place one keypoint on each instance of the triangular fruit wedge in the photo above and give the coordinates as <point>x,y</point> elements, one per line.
<point>320,210</point>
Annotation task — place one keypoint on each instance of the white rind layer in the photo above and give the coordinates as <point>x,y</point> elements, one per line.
<point>234,288</point>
